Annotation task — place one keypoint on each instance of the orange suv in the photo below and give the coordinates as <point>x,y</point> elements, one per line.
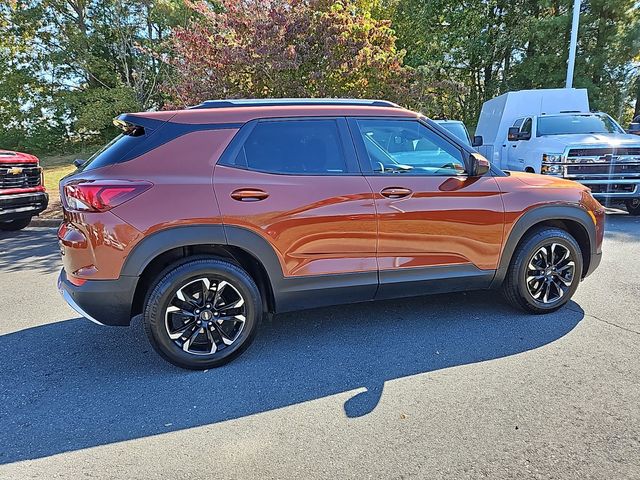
<point>205,219</point>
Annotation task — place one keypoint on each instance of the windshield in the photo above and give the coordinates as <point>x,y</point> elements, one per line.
<point>571,124</point>
<point>457,129</point>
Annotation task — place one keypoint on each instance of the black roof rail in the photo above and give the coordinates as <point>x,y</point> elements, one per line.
<point>277,102</point>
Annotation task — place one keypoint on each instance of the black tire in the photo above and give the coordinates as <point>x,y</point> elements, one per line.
<point>15,225</point>
<point>633,206</point>
<point>164,295</point>
<point>516,288</point>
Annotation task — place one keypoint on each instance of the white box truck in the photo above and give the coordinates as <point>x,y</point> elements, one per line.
<point>552,131</point>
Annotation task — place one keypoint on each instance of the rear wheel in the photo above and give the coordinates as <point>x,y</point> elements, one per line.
<point>15,225</point>
<point>544,272</point>
<point>203,313</point>
<point>633,206</point>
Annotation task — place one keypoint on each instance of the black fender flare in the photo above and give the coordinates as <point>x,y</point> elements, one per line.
<point>538,215</point>
<point>289,293</point>
<point>190,235</point>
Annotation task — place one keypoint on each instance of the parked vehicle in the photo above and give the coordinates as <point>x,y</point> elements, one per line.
<point>457,128</point>
<point>553,132</point>
<point>204,219</point>
<point>22,193</point>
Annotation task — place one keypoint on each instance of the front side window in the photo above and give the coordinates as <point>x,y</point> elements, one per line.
<point>408,147</point>
<point>526,126</point>
<point>294,147</point>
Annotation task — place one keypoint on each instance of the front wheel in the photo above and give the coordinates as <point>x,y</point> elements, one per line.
<point>633,206</point>
<point>203,313</point>
<point>15,225</point>
<point>544,272</point>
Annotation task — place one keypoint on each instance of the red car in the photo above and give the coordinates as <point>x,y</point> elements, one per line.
<point>22,193</point>
<point>204,219</point>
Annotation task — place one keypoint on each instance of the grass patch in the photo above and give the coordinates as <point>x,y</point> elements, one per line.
<point>55,167</point>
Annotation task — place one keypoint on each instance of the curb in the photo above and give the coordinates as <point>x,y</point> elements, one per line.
<point>45,222</point>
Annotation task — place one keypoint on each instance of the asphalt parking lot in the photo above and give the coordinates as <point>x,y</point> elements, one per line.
<point>451,386</point>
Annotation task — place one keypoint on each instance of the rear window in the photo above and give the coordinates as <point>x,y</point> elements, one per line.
<point>113,152</point>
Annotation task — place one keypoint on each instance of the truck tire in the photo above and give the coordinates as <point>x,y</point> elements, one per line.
<point>633,206</point>
<point>545,271</point>
<point>203,313</point>
<point>15,225</point>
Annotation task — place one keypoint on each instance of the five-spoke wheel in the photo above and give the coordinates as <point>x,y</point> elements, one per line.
<point>544,272</point>
<point>550,273</point>
<point>203,313</point>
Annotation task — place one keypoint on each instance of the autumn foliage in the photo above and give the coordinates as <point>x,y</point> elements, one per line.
<point>285,48</point>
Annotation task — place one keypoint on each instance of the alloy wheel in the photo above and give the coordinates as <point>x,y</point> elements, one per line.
<point>206,315</point>
<point>550,273</point>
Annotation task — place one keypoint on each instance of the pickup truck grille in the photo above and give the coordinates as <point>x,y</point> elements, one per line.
<point>602,152</point>
<point>604,169</point>
<point>14,175</point>
<point>603,163</point>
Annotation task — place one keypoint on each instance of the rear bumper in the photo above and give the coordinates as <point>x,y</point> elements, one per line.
<point>105,302</point>
<point>22,205</point>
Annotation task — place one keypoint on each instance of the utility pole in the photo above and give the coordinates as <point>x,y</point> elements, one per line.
<point>572,45</point>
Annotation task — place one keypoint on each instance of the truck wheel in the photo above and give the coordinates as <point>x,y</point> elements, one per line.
<point>203,313</point>
<point>633,206</point>
<point>15,225</point>
<point>545,271</point>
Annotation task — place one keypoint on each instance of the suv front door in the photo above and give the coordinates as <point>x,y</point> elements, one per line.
<point>437,227</point>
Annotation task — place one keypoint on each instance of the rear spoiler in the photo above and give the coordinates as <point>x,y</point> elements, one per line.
<point>136,125</point>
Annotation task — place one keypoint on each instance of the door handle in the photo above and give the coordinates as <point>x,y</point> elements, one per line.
<point>249,194</point>
<point>395,192</point>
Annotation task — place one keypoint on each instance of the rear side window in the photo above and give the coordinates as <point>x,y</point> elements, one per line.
<point>113,152</point>
<point>294,147</point>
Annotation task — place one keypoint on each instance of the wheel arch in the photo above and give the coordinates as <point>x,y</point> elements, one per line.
<point>571,218</point>
<point>162,250</point>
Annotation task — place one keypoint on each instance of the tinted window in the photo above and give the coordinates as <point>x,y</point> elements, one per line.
<point>576,124</point>
<point>408,147</point>
<point>113,152</point>
<point>293,147</point>
<point>526,126</point>
<point>457,129</point>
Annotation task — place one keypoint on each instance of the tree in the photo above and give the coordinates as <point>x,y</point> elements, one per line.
<point>488,47</point>
<point>280,48</point>
<point>70,66</point>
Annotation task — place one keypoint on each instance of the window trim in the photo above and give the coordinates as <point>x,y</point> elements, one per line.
<point>363,156</point>
<point>346,145</point>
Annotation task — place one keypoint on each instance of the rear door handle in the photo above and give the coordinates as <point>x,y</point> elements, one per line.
<point>395,192</point>
<point>249,194</point>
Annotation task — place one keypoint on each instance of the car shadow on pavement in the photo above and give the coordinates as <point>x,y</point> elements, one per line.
<point>73,385</point>
<point>32,248</point>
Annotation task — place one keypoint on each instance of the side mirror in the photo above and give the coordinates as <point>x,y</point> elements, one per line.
<point>514,134</point>
<point>479,165</point>
<point>78,162</point>
<point>478,141</point>
<point>634,129</point>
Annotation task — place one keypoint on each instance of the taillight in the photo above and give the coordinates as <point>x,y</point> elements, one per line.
<point>102,195</point>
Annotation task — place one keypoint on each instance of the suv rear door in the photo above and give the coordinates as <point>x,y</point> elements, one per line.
<point>297,183</point>
<point>438,227</point>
